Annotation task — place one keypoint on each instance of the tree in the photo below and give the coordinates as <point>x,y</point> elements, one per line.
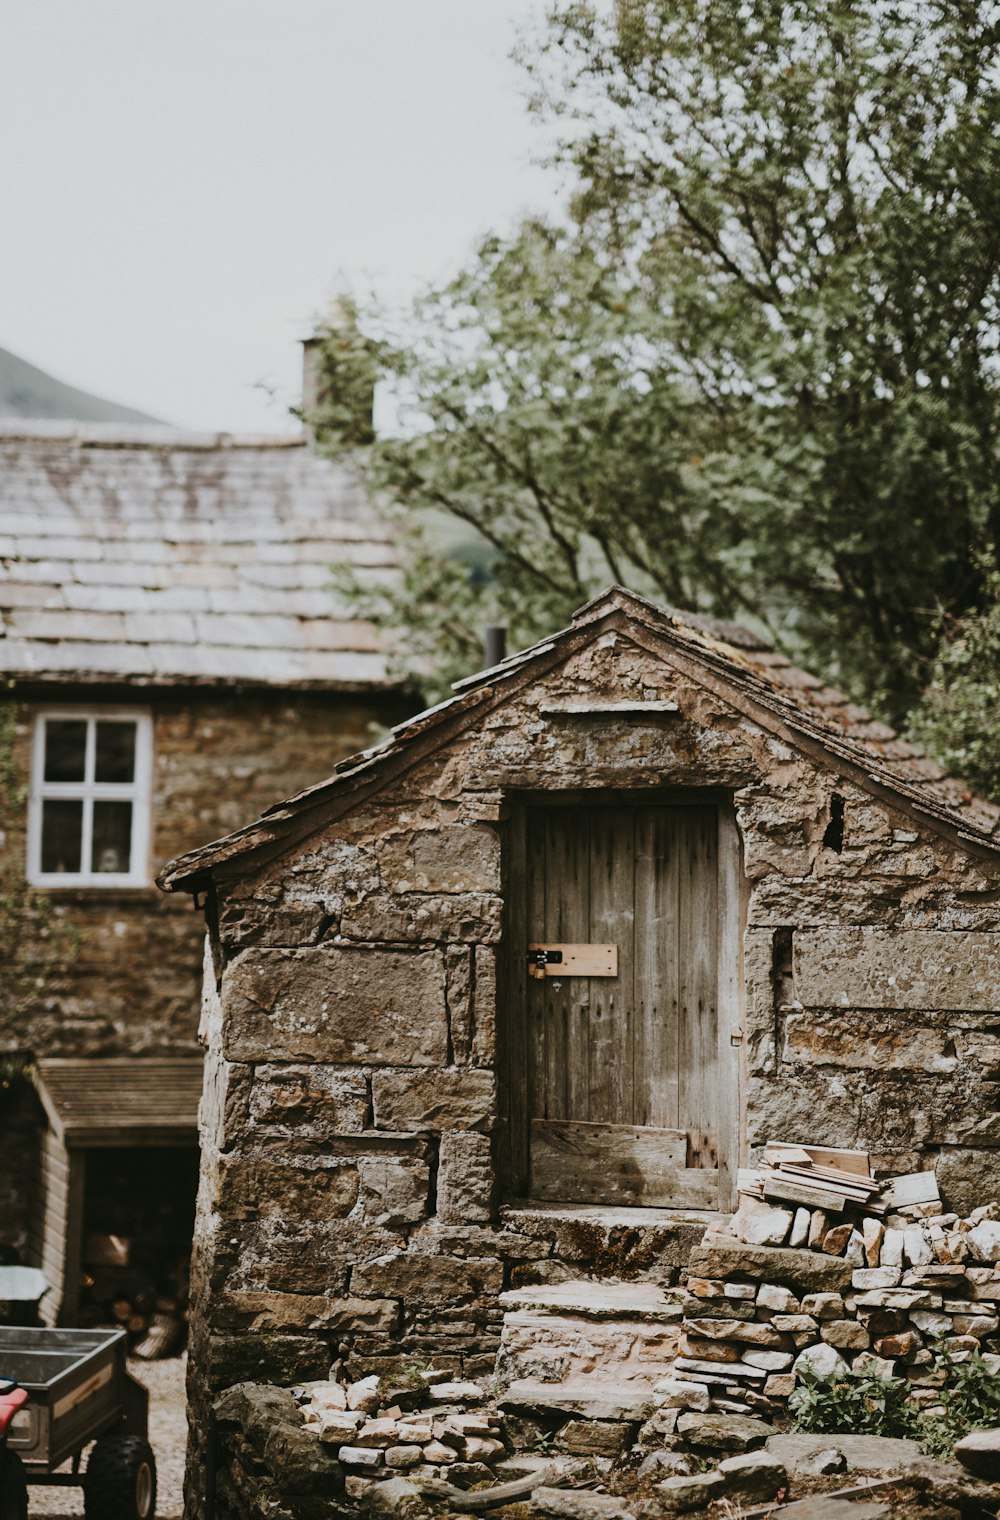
<point>958,719</point>
<point>754,370</point>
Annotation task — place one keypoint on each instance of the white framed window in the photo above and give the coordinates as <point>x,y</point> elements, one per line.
<point>88,817</point>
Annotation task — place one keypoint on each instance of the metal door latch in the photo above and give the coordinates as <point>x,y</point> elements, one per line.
<point>539,959</point>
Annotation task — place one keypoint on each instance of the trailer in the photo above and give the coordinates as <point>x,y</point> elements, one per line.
<point>78,1390</point>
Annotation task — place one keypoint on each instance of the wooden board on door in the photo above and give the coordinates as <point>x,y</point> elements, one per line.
<point>640,1050</point>
<point>617,1164</point>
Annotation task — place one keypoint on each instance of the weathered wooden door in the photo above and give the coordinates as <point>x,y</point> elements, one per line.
<point>631,1079</point>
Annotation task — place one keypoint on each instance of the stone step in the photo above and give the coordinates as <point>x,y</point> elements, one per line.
<point>586,1299</point>
<point>560,1332</point>
<point>590,1398</point>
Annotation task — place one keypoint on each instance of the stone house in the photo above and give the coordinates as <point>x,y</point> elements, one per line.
<point>172,657</point>
<point>512,995</point>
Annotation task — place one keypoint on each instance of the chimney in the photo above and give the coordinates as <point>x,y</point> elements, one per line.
<point>338,378</point>
<point>310,380</point>
<point>495,644</point>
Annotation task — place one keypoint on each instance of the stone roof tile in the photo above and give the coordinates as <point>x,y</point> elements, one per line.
<point>153,555</point>
<point>767,685</point>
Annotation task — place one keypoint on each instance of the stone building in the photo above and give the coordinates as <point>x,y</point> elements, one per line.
<point>172,657</point>
<point>513,994</point>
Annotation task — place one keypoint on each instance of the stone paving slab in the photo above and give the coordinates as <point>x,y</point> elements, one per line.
<point>597,1300</point>
<point>593,1398</point>
<point>863,1454</point>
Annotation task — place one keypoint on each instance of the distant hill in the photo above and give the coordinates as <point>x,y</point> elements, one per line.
<point>29,392</point>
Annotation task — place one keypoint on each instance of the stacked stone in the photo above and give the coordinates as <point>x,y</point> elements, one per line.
<point>761,1315</point>
<point>380,1429</point>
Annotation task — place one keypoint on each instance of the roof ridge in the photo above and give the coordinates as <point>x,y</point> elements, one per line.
<point>795,704</point>
<point>139,435</point>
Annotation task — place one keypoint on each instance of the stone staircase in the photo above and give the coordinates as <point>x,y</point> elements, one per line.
<point>591,1349</point>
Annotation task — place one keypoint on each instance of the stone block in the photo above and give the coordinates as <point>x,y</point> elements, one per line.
<point>596,1438</point>
<point>430,1281</point>
<point>418,917</point>
<point>461,857</point>
<point>866,1042</point>
<point>393,1190</point>
<point>257,1187</point>
<point>301,1463</point>
<point>761,1224</point>
<point>257,1310</point>
<point>414,1101</point>
<point>845,1334</point>
<point>722,1432</point>
<point>803,1271</point>
<point>682,1494</point>
<point>484,1006</point>
<point>305,1257</point>
<point>466,1183</point>
<point>279,1359</point>
<point>966,1176</point>
<point>900,969</point>
<point>336,1003</point>
<point>822,1361</point>
<point>309,1101</point>
<point>753,1477</point>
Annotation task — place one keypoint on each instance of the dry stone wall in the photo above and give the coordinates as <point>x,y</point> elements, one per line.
<point>357,989</point>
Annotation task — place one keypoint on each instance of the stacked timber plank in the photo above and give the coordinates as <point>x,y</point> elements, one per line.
<point>818,1198</point>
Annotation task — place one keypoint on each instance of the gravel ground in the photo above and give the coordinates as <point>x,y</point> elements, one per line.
<point>167,1434</point>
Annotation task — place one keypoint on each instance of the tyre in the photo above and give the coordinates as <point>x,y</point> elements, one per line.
<point>13,1488</point>
<point>120,1482</point>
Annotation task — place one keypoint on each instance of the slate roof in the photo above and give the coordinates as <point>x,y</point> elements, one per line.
<point>147,556</point>
<point>750,674</point>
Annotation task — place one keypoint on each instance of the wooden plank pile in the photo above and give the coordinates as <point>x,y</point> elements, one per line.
<point>819,1198</point>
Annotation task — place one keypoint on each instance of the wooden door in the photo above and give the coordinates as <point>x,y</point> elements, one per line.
<point>630,1078</point>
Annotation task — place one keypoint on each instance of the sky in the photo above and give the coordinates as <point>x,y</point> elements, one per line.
<point>184,184</point>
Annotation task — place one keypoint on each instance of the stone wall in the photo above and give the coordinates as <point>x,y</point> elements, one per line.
<point>350,1186</point>
<point>130,980</point>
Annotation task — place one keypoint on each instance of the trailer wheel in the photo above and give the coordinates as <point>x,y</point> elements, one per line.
<point>13,1488</point>
<point>120,1482</point>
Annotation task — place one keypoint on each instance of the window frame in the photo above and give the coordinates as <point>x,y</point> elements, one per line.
<point>137,791</point>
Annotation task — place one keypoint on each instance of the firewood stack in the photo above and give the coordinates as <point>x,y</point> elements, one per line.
<point>152,1306</point>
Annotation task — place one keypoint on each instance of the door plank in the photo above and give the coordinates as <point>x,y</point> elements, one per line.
<point>567,1001</point>
<point>616,1163</point>
<point>699,950</point>
<point>656,970</point>
<point>732,1047</point>
<point>612,919</point>
<point>515,1065</point>
<point>536,1031</point>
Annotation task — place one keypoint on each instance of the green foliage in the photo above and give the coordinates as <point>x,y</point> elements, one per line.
<point>970,1397</point>
<point>958,719</point>
<point>753,369</point>
<point>864,1405</point>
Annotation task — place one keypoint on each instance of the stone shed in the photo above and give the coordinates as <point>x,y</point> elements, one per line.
<point>514,994</point>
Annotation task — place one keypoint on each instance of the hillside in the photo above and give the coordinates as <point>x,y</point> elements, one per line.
<point>26,391</point>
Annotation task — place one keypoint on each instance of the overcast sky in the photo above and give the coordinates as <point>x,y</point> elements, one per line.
<point>184,183</point>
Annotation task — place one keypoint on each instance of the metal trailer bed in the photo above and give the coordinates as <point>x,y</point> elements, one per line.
<point>80,1391</point>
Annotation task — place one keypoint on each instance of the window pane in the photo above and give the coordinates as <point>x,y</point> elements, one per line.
<point>62,828</point>
<point>115,758</point>
<point>111,848</point>
<point>65,749</point>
